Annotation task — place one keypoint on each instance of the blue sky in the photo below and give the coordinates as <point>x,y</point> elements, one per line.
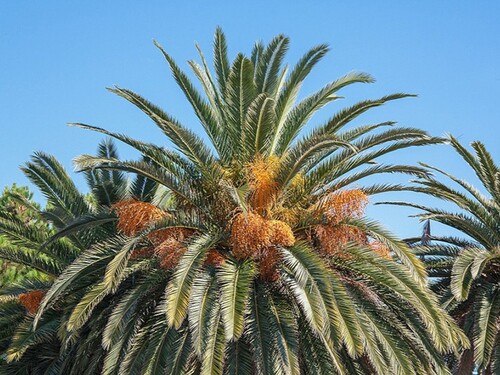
<point>57,59</point>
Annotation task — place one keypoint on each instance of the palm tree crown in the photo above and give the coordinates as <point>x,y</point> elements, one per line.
<point>257,258</point>
<point>466,271</point>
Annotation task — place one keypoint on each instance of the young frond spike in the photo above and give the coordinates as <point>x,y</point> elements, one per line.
<point>221,61</point>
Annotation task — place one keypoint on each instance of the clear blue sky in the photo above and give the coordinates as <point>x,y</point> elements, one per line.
<point>57,58</point>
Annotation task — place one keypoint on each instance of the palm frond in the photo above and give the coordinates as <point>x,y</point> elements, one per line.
<point>180,287</point>
<point>235,282</point>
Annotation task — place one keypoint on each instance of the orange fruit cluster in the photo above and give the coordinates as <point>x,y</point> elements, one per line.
<point>133,215</point>
<point>253,236</point>
<point>380,248</point>
<point>337,207</point>
<point>344,204</point>
<point>31,300</point>
<point>262,181</point>
<point>169,245</point>
<point>215,258</point>
<point>334,238</point>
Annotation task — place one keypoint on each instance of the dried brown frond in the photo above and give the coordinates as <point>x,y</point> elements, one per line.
<point>250,233</point>
<point>134,215</point>
<point>262,181</point>
<point>170,252</point>
<point>334,238</point>
<point>268,264</point>
<point>380,248</point>
<point>31,300</point>
<point>214,258</point>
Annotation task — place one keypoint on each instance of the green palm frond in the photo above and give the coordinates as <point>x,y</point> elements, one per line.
<point>203,308</point>
<point>302,112</point>
<point>260,333</point>
<point>180,287</point>
<point>487,326</point>
<point>285,329</point>
<point>45,172</point>
<point>235,281</point>
<point>239,358</point>
<point>107,187</point>
<point>187,141</point>
<point>396,246</point>
<point>25,337</point>
<point>92,261</point>
<point>309,284</point>
<point>238,101</point>
<point>115,273</point>
<point>221,60</point>
<point>465,270</point>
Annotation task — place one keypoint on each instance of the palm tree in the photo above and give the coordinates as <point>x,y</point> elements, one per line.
<point>258,259</point>
<point>466,271</point>
<point>30,241</point>
<point>12,272</point>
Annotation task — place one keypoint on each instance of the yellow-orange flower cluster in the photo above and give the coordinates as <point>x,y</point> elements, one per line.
<point>167,244</point>
<point>334,238</point>
<point>134,215</point>
<point>256,237</point>
<point>250,233</point>
<point>380,248</point>
<point>344,204</point>
<point>338,206</point>
<point>281,233</point>
<point>262,181</point>
<point>31,300</point>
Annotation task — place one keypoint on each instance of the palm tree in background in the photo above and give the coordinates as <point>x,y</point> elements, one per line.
<point>26,242</point>
<point>256,257</point>
<point>465,272</point>
<point>13,272</point>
